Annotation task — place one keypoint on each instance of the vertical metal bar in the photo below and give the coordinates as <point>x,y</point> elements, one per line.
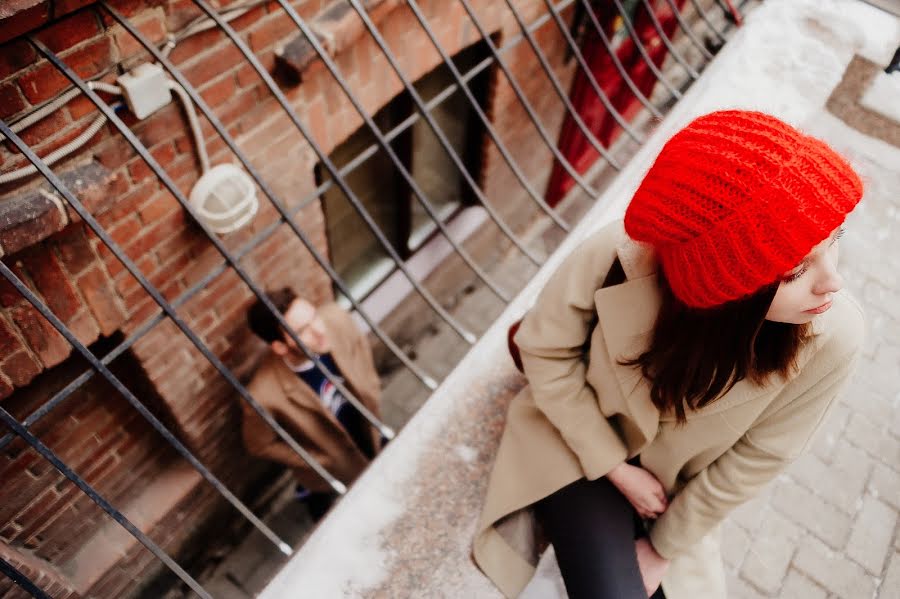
<point>439,99</point>
<point>688,31</point>
<point>692,73</point>
<point>420,106</point>
<point>150,289</point>
<point>527,105</point>
<point>288,218</point>
<point>586,69</point>
<point>706,19</point>
<point>21,580</point>
<point>548,70</point>
<point>589,11</point>
<point>643,52</point>
<point>417,191</point>
<point>489,127</point>
<point>167,181</point>
<point>329,166</point>
<point>88,490</point>
<point>113,380</point>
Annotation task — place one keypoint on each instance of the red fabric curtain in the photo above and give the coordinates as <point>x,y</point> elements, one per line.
<point>573,145</point>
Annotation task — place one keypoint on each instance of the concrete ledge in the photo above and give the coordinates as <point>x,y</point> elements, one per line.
<point>34,215</point>
<point>337,26</point>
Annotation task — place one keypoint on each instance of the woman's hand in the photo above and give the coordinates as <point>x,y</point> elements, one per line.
<point>653,566</point>
<point>641,488</point>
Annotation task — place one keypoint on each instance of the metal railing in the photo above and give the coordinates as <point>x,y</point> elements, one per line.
<point>232,259</point>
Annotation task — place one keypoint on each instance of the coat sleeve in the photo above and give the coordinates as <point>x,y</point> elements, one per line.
<point>262,441</point>
<point>551,341</point>
<point>774,441</point>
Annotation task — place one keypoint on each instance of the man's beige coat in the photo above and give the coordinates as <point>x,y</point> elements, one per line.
<point>582,413</point>
<point>299,410</point>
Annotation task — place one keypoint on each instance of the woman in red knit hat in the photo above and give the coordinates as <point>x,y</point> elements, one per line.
<point>677,361</point>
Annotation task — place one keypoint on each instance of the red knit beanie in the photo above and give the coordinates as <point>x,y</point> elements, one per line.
<point>736,199</point>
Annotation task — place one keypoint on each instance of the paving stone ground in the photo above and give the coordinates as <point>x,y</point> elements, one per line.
<point>829,526</point>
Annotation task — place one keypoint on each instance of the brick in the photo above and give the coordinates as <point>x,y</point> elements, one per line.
<point>27,219</point>
<point>70,31</point>
<point>162,126</point>
<point>130,8</point>
<point>798,585</point>
<point>45,81</point>
<point>64,7</point>
<point>125,231</point>
<point>15,56</point>
<point>152,26</point>
<point>22,16</point>
<point>250,17</point>
<point>842,483</point>
<point>6,388</point>
<point>210,64</point>
<point>51,282</point>
<point>159,206</point>
<point>770,553</point>
<point>870,542</point>
<point>739,589</point>
<point>274,29</point>
<point>875,440</point>
<point>114,152</point>
<point>103,305</point>
<point>832,570</point>
<point>84,327</point>
<point>152,236</point>
<point>20,368</point>
<point>74,249</point>
<point>891,580</point>
<point>11,102</point>
<point>44,340</point>
<point>127,204</point>
<point>164,155</point>
<point>243,108</point>
<point>751,515</point>
<point>9,342</point>
<point>220,91</point>
<point>44,129</point>
<point>80,106</point>
<point>885,484</point>
<point>812,513</point>
<point>247,76</point>
<point>195,45</point>
<point>99,191</point>
<point>294,57</point>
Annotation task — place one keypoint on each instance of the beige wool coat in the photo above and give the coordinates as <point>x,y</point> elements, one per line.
<point>581,414</point>
<point>297,407</point>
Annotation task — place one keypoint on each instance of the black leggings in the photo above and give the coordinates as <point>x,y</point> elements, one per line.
<point>592,527</point>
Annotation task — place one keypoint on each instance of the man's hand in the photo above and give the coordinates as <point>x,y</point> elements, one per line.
<point>641,488</point>
<point>652,565</point>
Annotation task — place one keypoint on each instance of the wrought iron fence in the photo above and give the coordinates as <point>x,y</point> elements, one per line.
<point>337,177</point>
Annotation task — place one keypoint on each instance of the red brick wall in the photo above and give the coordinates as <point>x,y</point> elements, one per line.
<point>91,291</point>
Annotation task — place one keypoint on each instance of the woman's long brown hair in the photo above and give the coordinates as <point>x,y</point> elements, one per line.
<point>698,355</point>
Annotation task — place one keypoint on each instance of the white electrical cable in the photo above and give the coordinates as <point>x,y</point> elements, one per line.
<point>42,112</point>
<point>70,147</point>
<point>58,153</point>
<point>192,120</point>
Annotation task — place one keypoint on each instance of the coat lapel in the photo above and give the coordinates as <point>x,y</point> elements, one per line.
<point>626,314</point>
<point>293,387</point>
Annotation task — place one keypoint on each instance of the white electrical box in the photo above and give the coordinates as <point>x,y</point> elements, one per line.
<point>146,89</point>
